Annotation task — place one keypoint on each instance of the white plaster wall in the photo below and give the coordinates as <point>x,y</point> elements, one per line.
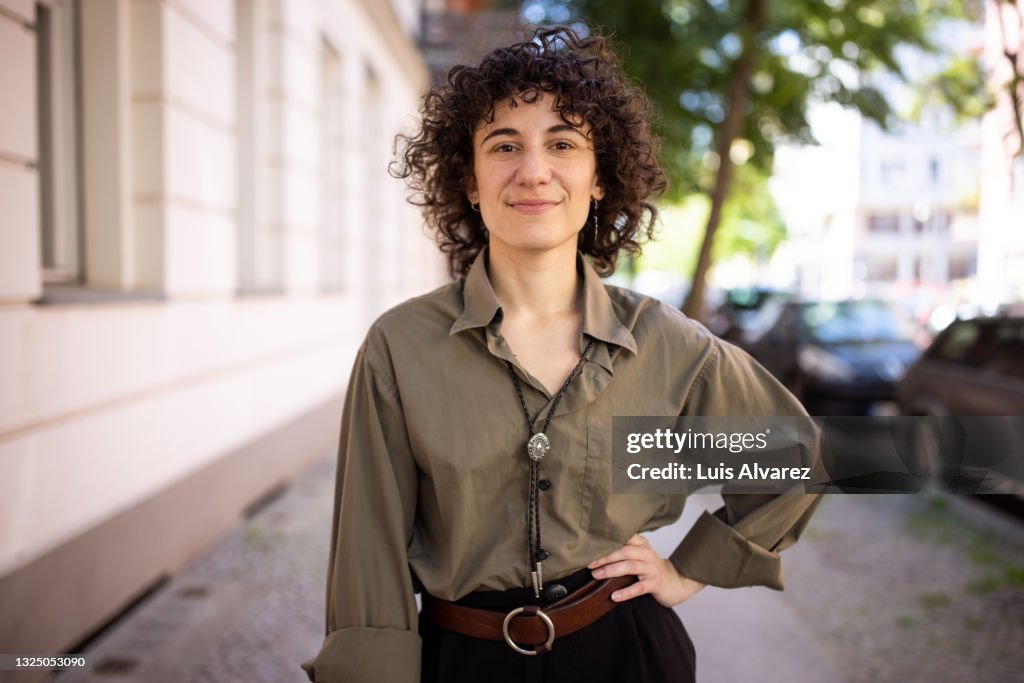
<point>20,10</point>
<point>105,404</point>
<point>183,138</point>
<point>216,18</point>
<point>19,214</point>
<point>408,13</point>
<point>98,426</point>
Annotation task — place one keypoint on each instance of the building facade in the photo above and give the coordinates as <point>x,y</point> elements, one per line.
<point>890,214</point>
<point>916,225</point>
<point>196,228</point>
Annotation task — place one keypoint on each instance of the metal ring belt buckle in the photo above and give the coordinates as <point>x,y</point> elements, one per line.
<point>543,617</point>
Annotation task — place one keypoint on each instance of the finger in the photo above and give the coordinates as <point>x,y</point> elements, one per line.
<point>634,541</point>
<point>622,568</point>
<point>629,592</point>
<point>626,552</point>
<point>641,564</point>
<point>613,556</point>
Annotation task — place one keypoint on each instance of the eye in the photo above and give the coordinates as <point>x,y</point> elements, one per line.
<point>563,146</point>
<point>505,147</point>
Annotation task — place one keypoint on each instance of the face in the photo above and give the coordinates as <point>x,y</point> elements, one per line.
<point>534,176</point>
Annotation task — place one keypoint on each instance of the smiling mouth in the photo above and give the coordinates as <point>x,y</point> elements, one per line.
<point>533,205</point>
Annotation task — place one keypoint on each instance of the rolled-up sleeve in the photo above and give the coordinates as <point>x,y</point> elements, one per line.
<point>371,616</point>
<point>739,544</point>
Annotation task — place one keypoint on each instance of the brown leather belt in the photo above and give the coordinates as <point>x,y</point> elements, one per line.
<point>529,625</point>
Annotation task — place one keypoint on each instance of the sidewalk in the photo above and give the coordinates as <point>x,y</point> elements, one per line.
<point>744,634</point>
<point>250,610</point>
<point>860,600</point>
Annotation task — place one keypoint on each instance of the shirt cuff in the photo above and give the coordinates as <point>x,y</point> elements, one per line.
<point>367,655</point>
<point>716,554</point>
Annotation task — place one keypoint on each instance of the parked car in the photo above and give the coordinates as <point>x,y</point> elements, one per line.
<point>839,358</point>
<point>745,313</point>
<point>975,367</point>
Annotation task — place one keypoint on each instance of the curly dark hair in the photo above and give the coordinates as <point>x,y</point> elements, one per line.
<point>588,84</point>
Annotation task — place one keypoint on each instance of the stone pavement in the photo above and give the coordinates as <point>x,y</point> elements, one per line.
<point>881,588</point>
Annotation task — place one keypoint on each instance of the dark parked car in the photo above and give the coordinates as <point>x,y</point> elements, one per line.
<point>974,368</point>
<point>839,358</point>
<point>745,313</point>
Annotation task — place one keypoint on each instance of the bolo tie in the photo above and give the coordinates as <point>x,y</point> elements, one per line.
<point>537,446</point>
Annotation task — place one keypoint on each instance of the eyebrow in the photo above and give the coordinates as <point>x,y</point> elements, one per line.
<point>560,128</point>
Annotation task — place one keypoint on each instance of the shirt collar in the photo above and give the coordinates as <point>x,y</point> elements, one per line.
<point>600,321</point>
<point>479,302</point>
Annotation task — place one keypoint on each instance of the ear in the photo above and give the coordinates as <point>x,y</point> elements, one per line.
<point>598,192</point>
<point>471,192</point>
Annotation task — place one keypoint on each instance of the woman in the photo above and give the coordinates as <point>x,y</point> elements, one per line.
<point>475,456</point>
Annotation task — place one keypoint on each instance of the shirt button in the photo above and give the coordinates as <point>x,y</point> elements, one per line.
<point>542,555</point>
<point>555,591</point>
<point>544,484</point>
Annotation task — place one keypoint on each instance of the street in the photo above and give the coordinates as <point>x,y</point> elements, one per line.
<point>881,588</point>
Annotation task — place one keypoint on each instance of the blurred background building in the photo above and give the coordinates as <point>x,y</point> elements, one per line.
<point>886,214</point>
<point>927,214</point>
<point>197,227</point>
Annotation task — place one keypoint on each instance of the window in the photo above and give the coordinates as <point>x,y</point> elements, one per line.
<point>962,266</point>
<point>881,268</point>
<point>1007,357</point>
<point>885,223</point>
<point>332,231</point>
<point>58,97</point>
<point>959,339</point>
<point>893,173</point>
<point>937,223</point>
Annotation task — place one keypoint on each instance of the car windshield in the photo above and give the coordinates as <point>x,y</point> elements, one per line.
<point>851,321</point>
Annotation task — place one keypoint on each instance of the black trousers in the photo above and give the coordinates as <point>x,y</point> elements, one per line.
<point>638,641</point>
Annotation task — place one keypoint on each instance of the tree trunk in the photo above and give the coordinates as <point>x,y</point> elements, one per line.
<point>737,95</point>
<point>1012,53</point>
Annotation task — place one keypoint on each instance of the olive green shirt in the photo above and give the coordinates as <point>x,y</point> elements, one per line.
<point>433,476</point>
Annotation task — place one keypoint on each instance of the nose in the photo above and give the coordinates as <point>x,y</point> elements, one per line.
<point>533,168</point>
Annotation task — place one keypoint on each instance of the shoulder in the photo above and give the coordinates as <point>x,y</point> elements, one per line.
<point>440,307</point>
<point>422,321</point>
<point>721,378</point>
<point>653,322</point>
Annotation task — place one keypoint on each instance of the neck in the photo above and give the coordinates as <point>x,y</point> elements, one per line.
<point>536,287</point>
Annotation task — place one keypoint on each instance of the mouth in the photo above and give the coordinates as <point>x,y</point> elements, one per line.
<point>533,205</point>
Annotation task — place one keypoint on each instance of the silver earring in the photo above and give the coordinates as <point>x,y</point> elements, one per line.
<point>596,226</point>
<point>475,207</point>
